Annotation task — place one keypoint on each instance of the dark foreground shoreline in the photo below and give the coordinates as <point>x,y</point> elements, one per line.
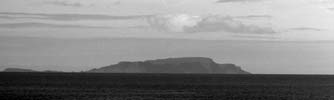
<point>99,86</point>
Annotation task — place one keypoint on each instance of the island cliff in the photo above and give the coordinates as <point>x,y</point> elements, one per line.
<point>172,65</point>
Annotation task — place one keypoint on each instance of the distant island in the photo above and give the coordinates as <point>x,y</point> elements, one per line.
<point>172,65</point>
<point>201,65</point>
<point>18,70</point>
<point>28,70</point>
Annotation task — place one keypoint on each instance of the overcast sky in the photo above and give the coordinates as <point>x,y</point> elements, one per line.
<point>194,19</point>
<point>302,31</point>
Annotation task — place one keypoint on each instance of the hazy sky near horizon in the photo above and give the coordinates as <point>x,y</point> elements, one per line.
<point>296,35</point>
<point>261,57</point>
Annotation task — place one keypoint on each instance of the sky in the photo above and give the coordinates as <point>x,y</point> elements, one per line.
<point>284,21</point>
<point>296,20</point>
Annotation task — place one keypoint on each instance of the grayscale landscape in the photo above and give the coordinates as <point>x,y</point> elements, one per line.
<point>166,50</point>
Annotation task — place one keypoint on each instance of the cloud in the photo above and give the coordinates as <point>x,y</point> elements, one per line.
<point>173,23</point>
<point>193,24</point>
<point>83,3</point>
<point>117,2</point>
<point>68,17</point>
<point>36,24</point>
<point>327,4</point>
<point>72,3</point>
<point>332,9</point>
<point>305,29</point>
<point>257,37</point>
<point>254,16</point>
<point>51,25</point>
<point>231,1</point>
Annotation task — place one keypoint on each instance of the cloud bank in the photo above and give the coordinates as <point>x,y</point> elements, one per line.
<point>332,9</point>
<point>231,1</point>
<point>254,16</point>
<point>305,29</point>
<point>184,23</point>
<point>83,3</point>
<point>174,23</point>
<point>39,25</point>
<point>68,17</point>
<point>34,20</point>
